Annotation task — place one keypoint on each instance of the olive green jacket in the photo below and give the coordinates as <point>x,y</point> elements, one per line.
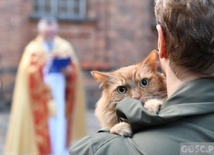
<point>187,116</point>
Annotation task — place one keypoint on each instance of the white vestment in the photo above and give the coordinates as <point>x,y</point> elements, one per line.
<point>57,124</point>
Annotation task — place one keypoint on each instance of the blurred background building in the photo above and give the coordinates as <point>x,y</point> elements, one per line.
<point>106,34</point>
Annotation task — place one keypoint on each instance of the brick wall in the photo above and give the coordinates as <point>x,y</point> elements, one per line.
<point>11,25</point>
<point>116,33</point>
<point>129,31</point>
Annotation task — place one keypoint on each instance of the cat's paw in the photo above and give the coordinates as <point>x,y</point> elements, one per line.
<point>153,105</point>
<point>122,128</point>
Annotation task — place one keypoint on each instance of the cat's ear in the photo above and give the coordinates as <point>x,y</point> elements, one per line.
<point>151,60</point>
<point>100,76</point>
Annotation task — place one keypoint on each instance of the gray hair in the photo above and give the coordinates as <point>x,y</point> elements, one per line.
<point>47,21</point>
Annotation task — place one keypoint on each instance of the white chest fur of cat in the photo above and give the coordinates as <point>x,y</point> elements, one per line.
<point>141,81</point>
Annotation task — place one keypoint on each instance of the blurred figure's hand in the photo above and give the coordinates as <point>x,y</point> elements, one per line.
<point>67,71</point>
<point>50,57</point>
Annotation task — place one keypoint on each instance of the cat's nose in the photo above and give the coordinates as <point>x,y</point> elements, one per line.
<point>136,97</point>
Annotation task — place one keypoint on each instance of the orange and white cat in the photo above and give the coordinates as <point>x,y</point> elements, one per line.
<point>141,81</point>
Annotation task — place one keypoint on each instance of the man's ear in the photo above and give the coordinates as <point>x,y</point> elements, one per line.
<point>100,76</point>
<point>161,42</point>
<point>151,60</point>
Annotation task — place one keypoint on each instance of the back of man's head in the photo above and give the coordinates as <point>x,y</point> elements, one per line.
<point>188,27</point>
<point>51,21</point>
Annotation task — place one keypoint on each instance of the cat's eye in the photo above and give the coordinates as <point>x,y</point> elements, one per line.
<point>122,89</point>
<point>144,83</point>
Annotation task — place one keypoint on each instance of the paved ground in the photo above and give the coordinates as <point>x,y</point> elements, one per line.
<point>4,117</point>
<point>92,124</point>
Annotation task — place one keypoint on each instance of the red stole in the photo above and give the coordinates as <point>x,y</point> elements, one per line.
<point>40,95</point>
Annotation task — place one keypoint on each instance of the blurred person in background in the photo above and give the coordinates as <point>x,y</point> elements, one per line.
<point>48,109</point>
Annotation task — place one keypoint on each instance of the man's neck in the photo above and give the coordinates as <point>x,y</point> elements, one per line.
<point>48,40</point>
<point>173,82</point>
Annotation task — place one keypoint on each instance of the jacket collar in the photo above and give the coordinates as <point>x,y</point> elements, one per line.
<point>193,98</point>
<point>196,91</point>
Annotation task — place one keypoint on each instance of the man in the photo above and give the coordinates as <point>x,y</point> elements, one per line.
<point>48,109</point>
<point>186,52</point>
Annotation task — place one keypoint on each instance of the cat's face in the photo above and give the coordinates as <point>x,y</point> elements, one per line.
<point>140,81</point>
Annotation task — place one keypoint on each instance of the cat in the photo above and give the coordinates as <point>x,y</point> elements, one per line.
<point>141,81</point>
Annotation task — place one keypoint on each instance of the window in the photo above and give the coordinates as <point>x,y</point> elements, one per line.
<point>62,9</point>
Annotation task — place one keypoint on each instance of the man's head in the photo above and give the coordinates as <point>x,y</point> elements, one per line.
<point>47,28</point>
<point>186,34</point>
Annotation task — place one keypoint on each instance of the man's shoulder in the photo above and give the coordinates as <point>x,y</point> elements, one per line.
<point>96,140</point>
<point>62,41</point>
<point>104,143</point>
<point>30,48</point>
<point>33,44</point>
